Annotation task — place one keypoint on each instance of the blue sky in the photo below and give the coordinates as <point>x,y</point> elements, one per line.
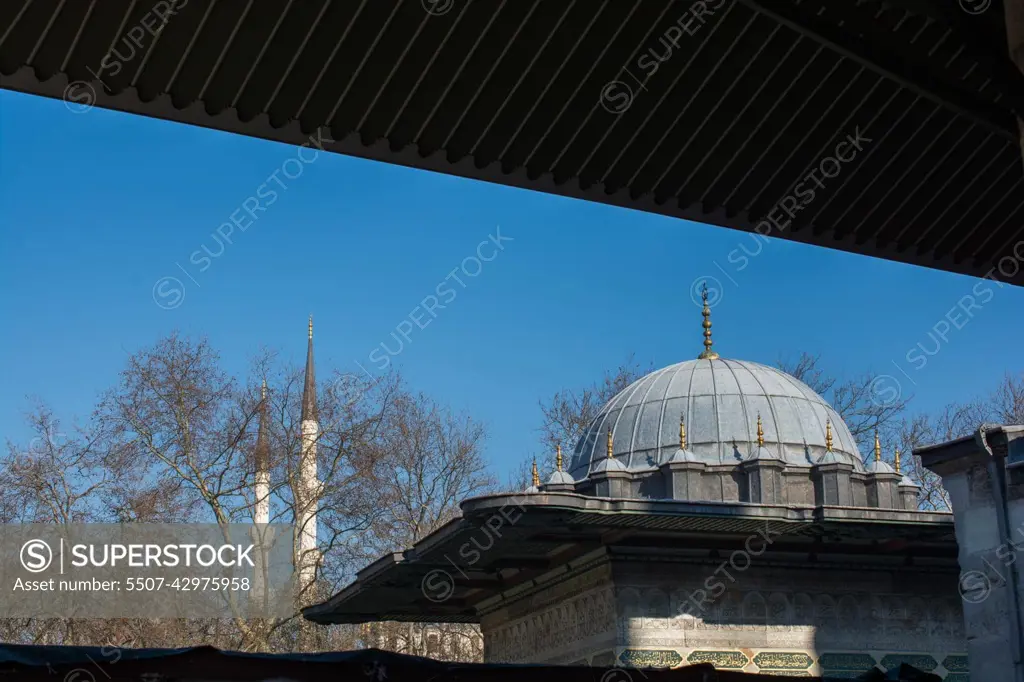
<point>99,208</point>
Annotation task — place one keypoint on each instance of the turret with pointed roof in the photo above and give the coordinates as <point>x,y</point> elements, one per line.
<point>308,485</point>
<point>261,453</point>
<point>309,412</point>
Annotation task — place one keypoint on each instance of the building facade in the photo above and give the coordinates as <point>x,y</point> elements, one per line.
<point>715,510</point>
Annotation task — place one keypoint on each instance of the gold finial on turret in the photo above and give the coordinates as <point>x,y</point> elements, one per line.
<point>760,431</point>
<point>878,448</point>
<point>708,354</point>
<point>896,461</point>
<point>311,326</point>
<point>682,433</point>
<point>558,457</point>
<point>828,435</point>
<point>610,443</point>
<point>536,474</point>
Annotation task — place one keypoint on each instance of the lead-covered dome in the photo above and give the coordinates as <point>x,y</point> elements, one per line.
<point>719,401</point>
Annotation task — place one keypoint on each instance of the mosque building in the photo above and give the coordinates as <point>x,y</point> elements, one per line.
<point>716,511</point>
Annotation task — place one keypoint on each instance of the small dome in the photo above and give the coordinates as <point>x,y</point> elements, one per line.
<point>532,489</point>
<point>908,481</point>
<point>719,401</point>
<point>879,466</point>
<point>833,457</point>
<point>560,478</point>
<point>685,455</point>
<point>762,453</point>
<point>608,464</point>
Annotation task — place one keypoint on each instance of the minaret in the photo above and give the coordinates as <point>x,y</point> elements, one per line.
<point>262,535</point>
<point>308,486</point>
<point>261,462</point>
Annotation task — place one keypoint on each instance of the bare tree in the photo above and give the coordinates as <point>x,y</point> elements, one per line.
<point>430,460</point>
<point>193,427</point>
<point>855,399</point>
<point>59,477</point>
<point>174,440</point>
<point>1004,405</point>
<point>566,415</point>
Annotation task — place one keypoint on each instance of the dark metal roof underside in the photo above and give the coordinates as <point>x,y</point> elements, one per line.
<point>511,92</point>
<point>504,545</point>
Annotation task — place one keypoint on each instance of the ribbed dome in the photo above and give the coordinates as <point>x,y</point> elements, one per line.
<point>720,400</point>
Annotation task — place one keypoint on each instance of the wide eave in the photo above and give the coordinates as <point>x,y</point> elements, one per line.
<point>518,93</point>
<point>507,544</point>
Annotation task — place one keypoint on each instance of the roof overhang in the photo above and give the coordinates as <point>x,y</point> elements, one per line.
<point>747,101</point>
<point>505,544</point>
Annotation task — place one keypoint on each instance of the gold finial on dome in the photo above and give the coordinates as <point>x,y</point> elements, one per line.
<point>558,456</point>
<point>896,461</point>
<point>708,354</point>
<point>828,435</point>
<point>760,431</point>
<point>310,326</point>
<point>878,448</point>
<point>610,443</point>
<point>536,475</point>
<point>682,433</point>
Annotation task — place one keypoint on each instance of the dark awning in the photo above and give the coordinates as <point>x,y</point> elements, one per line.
<point>721,112</point>
<point>507,543</point>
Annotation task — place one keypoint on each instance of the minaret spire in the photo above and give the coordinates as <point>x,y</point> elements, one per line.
<point>708,354</point>
<point>262,450</point>
<point>306,489</point>
<point>309,412</point>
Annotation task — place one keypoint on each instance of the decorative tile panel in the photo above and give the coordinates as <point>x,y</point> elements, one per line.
<point>658,658</point>
<point>844,661</point>
<point>920,661</point>
<point>955,663</point>
<point>783,660</point>
<point>720,659</point>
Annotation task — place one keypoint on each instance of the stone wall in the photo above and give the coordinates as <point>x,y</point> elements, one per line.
<point>566,620</point>
<point>800,619</point>
<point>984,477</point>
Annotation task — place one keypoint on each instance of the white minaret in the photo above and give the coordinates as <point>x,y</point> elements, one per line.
<point>261,457</point>
<point>261,506</point>
<point>306,489</point>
